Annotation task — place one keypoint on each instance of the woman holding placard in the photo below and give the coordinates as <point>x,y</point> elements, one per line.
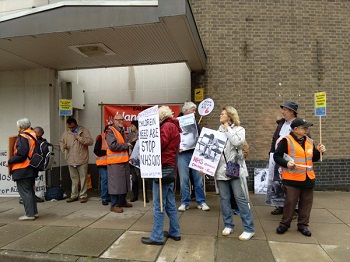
<point>170,141</point>
<point>230,125</point>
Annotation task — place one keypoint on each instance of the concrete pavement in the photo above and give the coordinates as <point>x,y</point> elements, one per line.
<point>90,232</point>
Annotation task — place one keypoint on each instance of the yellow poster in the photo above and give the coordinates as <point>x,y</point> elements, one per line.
<point>198,94</point>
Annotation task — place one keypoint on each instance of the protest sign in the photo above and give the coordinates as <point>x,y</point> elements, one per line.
<point>150,148</point>
<point>189,133</point>
<point>207,153</point>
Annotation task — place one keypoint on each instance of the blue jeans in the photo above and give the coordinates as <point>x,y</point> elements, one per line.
<point>104,183</point>
<point>245,212</point>
<point>169,206</point>
<point>184,171</point>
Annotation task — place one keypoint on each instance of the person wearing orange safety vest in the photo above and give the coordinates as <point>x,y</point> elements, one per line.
<point>100,150</point>
<point>118,165</point>
<point>296,153</point>
<point>22,172</point>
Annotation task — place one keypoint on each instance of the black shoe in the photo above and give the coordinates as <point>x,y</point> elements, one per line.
<point>105,202</point>
<point>281,230</point>
<point>148,241</point>
<point>147,200</point>
<point>39,200</point>
<point>134,198</point>
<point>305,231</point>
<point>277,211</point>
<point>166,235</point>
<point>20,201</point>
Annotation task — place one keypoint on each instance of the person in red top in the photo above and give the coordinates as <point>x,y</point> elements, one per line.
<point>170,142</point>
<point>296,153</point>
<point>22,172</point>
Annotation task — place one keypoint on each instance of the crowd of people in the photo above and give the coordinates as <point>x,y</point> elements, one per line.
<point>292,150</point>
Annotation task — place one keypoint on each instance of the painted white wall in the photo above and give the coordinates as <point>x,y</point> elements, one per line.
<point>35,94</point>
<point>137,85</point>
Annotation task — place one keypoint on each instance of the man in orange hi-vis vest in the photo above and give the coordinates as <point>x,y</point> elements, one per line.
<point>118,165</point>
<point>296,153</point>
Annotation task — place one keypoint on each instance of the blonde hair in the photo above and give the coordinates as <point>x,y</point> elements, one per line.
<point>164,112</point>
<point>232,114</point>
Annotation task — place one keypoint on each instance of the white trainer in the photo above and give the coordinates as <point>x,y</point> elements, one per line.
<point>183,208</point>
<point>246,235</point>
<point>22,218</point>
<point>204,207</point>
<point>227,231</point>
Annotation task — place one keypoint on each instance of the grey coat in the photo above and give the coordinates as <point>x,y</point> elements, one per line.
<point>235,139</point>
<point>118,174</point>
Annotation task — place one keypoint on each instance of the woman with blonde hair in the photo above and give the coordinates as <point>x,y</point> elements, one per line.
<point>230,125</point>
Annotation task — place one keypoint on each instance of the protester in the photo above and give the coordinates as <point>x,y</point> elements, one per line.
<point>170,141</point>
<point>184,160</point>
<point>100,150</point>
<point>21,171</point>
<point>298,175</point>
<point>135,171</point>
<point>76,141</point>
<point>289,112</point>
<point>230,125</point>
<point>118,165</point>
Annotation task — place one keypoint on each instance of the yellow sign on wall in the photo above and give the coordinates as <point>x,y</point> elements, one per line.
<point>65,107</point>
<point>198,94</point>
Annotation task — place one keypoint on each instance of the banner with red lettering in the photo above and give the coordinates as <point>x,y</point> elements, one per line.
<point>129,113</point>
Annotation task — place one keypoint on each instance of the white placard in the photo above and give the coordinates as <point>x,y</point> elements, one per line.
<point>135,155</point>
<point>150,148</point>
<point>206,106</point>
<point>8,187</point>
<point>260,180</point>
<point>207,153</point>
<point>189,133</point>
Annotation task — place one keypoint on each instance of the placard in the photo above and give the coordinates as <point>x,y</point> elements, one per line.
<point>207,153</point>
<point>150,148</point>
<point>189,134</point>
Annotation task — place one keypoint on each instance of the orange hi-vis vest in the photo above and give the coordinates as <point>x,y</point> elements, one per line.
<point>117,157</point>
<point>301,157</point>
<point>31,142</point>
<point>102,160</point>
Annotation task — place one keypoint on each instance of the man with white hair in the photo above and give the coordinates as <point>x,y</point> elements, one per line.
<point>184,160</point>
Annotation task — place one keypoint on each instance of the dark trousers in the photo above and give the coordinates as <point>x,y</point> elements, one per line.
<point>118,200</point>
<point>305,197</point>
<point>27,193</point>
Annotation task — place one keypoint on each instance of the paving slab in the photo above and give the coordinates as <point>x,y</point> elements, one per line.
<point>129,247</point>
<point>43,239</point>
<point>80,218</point>
<point>12,232</point>
<point>232,249</point>
<point>199,224</point>
<point>297,252</point>
<point>88,242</point>
<point>331,234</point>
<point>321,215</point>
<point>120,221</point>
<point>189,248</point>
<point>337,253</point>
<point>341,214</point>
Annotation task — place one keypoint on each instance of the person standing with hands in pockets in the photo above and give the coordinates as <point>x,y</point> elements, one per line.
<point>296,153</point>
<point>76,140</point>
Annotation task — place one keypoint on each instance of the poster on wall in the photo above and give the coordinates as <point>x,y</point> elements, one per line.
<point>149,139</point>
<point>129,113</point>
<point>207,153</point>
<point>260,180</point>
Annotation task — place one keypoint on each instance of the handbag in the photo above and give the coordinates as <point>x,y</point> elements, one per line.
<point>168,175</point>
<point>232,168</point>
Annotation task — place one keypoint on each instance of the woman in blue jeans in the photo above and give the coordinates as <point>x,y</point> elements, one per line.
<point>170,141</point>
<point>230,125</point>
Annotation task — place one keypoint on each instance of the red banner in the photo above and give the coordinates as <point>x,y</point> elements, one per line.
<point>129,113</point>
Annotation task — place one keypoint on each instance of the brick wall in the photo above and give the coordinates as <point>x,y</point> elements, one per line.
<point>262,53</point>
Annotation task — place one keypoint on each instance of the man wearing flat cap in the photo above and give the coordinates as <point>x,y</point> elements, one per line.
<point>289,112</point>
<point>296,153</point>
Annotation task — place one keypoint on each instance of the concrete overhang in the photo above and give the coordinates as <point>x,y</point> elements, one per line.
<point>94,34</point>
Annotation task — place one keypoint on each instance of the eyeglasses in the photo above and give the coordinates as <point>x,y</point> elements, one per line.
<point>119,120</point>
